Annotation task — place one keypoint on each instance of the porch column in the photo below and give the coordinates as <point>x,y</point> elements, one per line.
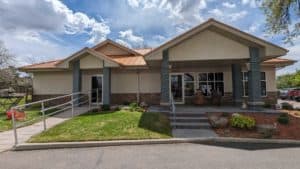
<point>237,86</point>
<point>106,85</point>
<point>164,93</point>
<point>254,86</point>
<point>76,79</point>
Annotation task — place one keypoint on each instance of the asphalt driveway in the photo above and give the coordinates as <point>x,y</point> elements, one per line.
<point>153,156</point>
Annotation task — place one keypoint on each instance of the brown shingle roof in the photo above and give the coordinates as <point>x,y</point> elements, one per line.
<point>143,51</point>
<point>43,65</point>
<point>130,60</point>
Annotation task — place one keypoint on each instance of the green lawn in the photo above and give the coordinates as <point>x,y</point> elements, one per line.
<point>32,113</point>
<point>7,124</point>
<point>119,125</point>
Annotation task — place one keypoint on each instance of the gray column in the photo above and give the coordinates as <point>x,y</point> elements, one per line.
<point>164,94</point>
<point>106,85</point>
<point>237,85</point>
<point>76,79</point>
<point>254,86</point>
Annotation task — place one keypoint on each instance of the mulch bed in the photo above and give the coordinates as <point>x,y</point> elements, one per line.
<point>289,131</point>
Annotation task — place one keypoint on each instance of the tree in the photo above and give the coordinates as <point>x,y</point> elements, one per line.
<point>6,59</point>
<point>289,80</point>
<point>279,16</point>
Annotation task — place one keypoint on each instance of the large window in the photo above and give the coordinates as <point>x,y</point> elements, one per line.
<point>189,84</point>
<point>208,82</point>
<point>263,83</point>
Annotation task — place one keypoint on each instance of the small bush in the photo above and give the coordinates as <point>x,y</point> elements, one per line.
<point>267,105</point>
<point>287,106</point>
<point>283,119</point>
<point>243,122</point>
<point>105,107</point>
<point>135,107</point>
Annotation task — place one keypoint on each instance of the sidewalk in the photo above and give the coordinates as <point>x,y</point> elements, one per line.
<point>24,133</point>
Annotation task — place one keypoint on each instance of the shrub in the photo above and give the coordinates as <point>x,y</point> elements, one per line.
<point>105,107</point>
<point>267,105</point>
<point>283,119</point>
<point>243,122</point>
<point>287,106</point>
<point>135,107</point>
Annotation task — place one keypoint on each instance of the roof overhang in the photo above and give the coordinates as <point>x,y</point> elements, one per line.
<point>270,50</point>
<point>83,52</point>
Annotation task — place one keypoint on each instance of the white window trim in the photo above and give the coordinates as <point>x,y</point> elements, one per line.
<point>243,81</point>
<point>207,81</point>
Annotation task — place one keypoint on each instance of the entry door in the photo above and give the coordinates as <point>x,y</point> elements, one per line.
<point>97,83</point>
<point>176,87</point>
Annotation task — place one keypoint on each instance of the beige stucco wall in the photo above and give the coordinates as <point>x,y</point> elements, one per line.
<point>59,82</point>
<point>90,62</point>
<point>127,82</point>
<point>208,45</point>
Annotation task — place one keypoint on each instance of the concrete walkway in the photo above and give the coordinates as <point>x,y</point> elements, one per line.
<point>24,133</point>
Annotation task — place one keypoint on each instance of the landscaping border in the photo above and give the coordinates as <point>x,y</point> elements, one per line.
<point>200,140</point>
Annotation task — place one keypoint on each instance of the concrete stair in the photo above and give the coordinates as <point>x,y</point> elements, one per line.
<point>189,121</point>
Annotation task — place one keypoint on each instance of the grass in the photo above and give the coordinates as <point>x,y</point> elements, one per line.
<point>32,113</point>
<point>118,125</point>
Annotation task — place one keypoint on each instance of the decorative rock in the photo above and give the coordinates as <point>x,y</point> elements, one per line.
<point>218,122</point>
<point>267,130</point>
<point>114,107</point>
<point>235,114</point>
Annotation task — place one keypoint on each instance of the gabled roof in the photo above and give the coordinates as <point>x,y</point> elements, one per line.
<point>214,23</point>
<point>88,51</point>
<point>108,41</point>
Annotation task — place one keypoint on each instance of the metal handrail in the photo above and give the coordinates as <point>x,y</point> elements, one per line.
<point>173,109</point>
<point>68,105</point>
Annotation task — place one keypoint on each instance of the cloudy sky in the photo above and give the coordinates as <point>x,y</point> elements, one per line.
<point>41,30</point>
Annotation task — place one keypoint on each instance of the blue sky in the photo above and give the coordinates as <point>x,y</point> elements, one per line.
<point>41,30</point>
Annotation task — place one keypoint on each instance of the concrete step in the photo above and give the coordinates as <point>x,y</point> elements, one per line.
<point>189,119</point>
<point>189,125</point>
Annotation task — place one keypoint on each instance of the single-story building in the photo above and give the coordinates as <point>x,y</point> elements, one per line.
<point>210,57</point>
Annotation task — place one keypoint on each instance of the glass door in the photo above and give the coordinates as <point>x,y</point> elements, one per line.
<point>176,87</point>
<point>97,82</point>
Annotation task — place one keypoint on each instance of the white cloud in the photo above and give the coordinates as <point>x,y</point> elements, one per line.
<point>122,42</point>
<point>216,12</point>
<point>130,37</point>
<point>181,11</point>
<point>32,29</point>
<point>228,5</point>
<point>293,54</point>
<point>251,3</point>
<point>50,15</point>
<point>238,15</point>
<point>254,27</point>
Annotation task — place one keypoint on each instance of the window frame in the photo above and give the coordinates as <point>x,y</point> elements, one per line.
<point>207,81</point>
<point>244,81</point>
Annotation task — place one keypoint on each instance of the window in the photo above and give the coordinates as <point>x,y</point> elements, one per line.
<point>189,84</point>
<point>263,83</point>
<point>211,81</point>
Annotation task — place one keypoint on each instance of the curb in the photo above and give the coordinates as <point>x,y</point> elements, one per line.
<point>202,140</point>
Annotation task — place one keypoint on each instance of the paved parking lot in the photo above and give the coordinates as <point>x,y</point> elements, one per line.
<point>294,103</point>
<point>173,156</point>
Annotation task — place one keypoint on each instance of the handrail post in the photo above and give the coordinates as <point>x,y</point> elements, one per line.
<point>44,117</point>
<point>72,104</point>
<point>90,100</point>
<point>97,96</point>
<point>14,126</point>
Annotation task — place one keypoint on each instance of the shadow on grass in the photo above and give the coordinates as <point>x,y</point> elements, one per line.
<point>156,122</point>
<point>251,146</point>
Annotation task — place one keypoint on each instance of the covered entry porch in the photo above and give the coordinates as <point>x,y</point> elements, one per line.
<point>233,81</point>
